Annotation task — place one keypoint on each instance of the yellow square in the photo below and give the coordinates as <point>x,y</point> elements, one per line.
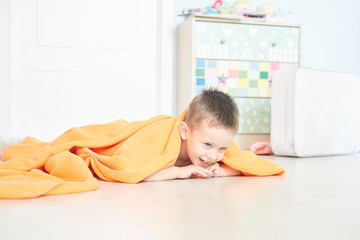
<point>223,71</point>
<point>242,83</point>
<point>234,65</point>
<point>253,92</point>
<point>264,66</point>
<point>263,84</point>
<point>263,93</point>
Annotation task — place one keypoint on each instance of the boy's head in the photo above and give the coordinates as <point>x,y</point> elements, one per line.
<point>215,108</point>
<point>209,127</point>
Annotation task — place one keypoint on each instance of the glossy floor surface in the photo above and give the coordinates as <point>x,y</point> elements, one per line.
<point>317,198</point>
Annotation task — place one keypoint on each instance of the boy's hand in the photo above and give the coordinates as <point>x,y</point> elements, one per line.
<point>192,170</point>
<point>216,169</point>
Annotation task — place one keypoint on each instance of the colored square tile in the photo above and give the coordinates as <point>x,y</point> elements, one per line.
<point>244,65</point>
<point>200,81</point>
<point>264,75</point>
<point>252,92</point>
<point>254,75</point>
<point>223,89</point>
<point>242,83</point>
<point>211,73</point>
<point>243,92</point>
<point>254,65</point>
<point>211,63</point>
<point>223,64</point>
<point>263,84</point>
<point>242,74</point>
<point>211,82</point>
<point>233,74</point>
<point>221,72</point>
<point>198,90</point>
<point>253,83</point>
<point>200,63</point>
<point>284,66</point>
<point>264,66</point>
<point>232,83</point>
<point>271,74</point>
<point>233,92</point>
<point>263,92</point>
<point>274,66</point>
<point>234,65</point>
<point>200,72</point>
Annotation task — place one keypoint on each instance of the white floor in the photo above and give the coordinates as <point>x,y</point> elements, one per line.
<point>318,198</point>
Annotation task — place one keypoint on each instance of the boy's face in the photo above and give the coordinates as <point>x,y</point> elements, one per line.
<point>206,145</point>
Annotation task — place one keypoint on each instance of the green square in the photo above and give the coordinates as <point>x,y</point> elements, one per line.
<point>242,74</point>
<point>211,64</point>
<point>264,75</point>
<point>233,92</point>
<point>200,72</point>
<point>253,83</point>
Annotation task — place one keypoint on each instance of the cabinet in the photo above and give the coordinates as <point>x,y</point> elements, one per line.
<point>240,58</point>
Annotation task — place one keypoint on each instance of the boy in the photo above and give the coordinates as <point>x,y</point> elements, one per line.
<point>208,128</point>
<point>160,148</point>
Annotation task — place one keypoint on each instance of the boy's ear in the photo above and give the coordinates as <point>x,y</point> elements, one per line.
<point>183,128</point>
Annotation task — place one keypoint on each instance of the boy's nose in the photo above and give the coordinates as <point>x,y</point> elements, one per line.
<point>212,156</point>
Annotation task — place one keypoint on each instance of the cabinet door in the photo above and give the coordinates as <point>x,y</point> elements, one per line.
<point>246,42</point>
<point>77,62</point>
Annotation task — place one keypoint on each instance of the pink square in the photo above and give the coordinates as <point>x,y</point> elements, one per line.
<point>274,66</point>
<point>233,74</point>
<point>284,66</point>
<point>271,73</point>
<point>211,73</point>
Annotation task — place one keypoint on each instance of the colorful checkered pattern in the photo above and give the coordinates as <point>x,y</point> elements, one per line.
<point>238,78</point>
<point>248,82</point>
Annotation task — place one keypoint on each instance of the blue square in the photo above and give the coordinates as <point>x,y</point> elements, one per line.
<point>211,82</point>
<point>198,89</point>
<point>243,92</point>
<point>254,65</point>
<point>200,82</point>
<point>200,63</point>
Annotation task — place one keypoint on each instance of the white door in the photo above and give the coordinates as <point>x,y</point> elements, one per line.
<point>78,62</point>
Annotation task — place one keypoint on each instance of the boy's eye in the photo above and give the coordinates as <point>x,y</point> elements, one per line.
<point>223,149</point>
<point>207,144</point>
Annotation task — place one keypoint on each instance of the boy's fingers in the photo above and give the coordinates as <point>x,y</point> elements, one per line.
<point>204,172</point>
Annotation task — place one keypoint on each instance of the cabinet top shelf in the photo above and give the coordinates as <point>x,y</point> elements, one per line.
<point>238,19</point>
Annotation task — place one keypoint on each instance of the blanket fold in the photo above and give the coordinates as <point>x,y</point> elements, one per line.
<point>116,151</point>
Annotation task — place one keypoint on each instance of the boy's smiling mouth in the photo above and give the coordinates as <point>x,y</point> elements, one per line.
<point>203,162</point>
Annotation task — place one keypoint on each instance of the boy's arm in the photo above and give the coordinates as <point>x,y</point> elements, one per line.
<point>226,171</point>
<point>179,172</point>
<point>164,174</point>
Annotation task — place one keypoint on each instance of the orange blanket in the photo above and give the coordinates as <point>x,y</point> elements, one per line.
<point>116,151</point>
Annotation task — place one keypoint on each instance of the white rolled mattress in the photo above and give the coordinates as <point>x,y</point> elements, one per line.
<point>315,113</point>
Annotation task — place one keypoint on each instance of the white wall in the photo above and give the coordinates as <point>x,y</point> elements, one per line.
<point>330,30</point>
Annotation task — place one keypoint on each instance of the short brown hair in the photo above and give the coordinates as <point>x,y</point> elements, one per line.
<point>215,106</point>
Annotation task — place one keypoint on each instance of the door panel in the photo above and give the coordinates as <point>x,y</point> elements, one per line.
<point>77,62</point>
